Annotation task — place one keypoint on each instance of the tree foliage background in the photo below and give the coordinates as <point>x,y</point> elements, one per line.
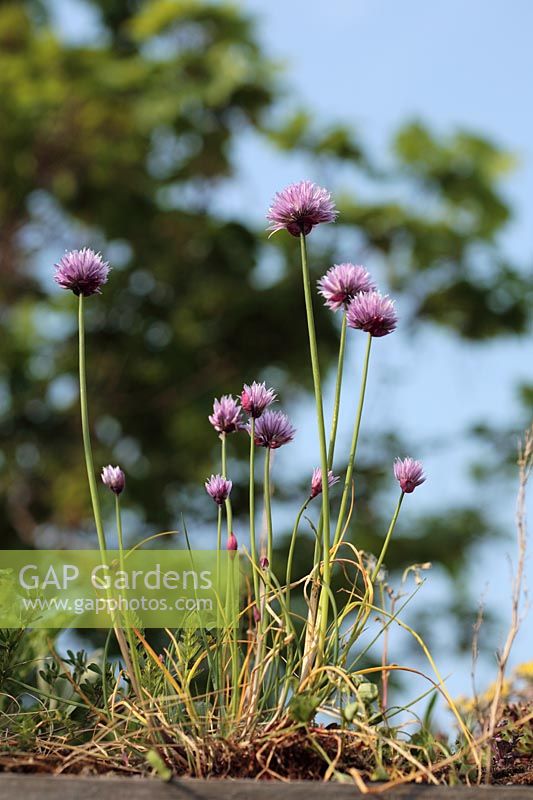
<point>124,144</point>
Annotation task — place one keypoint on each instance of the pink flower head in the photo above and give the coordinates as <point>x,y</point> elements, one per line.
<point>255,398</point>
<point>264,563</point>
<point>373,313</point>
<point>273,430</point>
<point>114,479</point>
<point>232,543</point>
<point>82,271</point>
<point>409,474</point>
<point>342,282</point>
<point>218,488</point>
<point>316,481</point>
<point>300,207</point>
<point>226,416</point>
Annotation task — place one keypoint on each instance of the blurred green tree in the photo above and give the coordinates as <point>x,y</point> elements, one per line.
<point>123,143</point>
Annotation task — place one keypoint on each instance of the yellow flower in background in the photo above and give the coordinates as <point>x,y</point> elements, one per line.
<point>525,671</point>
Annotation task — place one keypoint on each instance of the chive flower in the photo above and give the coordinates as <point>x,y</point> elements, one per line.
<point>232,543</point>
<point>299,207</point>
<point>316,481</point>
<point>256,398</point>
<point>373,313</point>
<point>264,563</point>
<point>273,429</point>
<point>409,474</point>
<point>114,479</point>
<point>82,271</point>
<point>226,416</point>
<point>342,282</point>
<point>218,488</point>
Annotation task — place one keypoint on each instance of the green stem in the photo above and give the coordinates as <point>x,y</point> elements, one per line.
<point>338,387</point>
<point>119,532</point>
<point>387,539</point>
<point>92,480</point>
<point>218,658</point>
<point>324,598</point>
<point>235,666</point>
<point>353,448</point>
<point>335,418</point>
<point>290,557</point>
<point>229,513</point>
<point>253,549</point>
<point>365,612</point>
<point>219,529</point>
<point>105,693</point>
<point>219,548</point>
<point>268,507</point>
<point>86,434</point>
<point>232,631</point>
<point>129,637</point>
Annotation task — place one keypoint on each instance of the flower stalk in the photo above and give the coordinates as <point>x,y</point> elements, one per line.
<point>353,447</point>
<point>253,546</point>
<point>136,671</point>
<point>290,557</point>
<point>385,547</point>
<point>87,449</point>
<point>89,463</point>
<point>338,389</point>
<point>229,513</point>
<point>268,506</point>
<point>324,597</point>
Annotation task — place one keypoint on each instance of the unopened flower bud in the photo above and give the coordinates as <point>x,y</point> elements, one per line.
<point>114,479</point>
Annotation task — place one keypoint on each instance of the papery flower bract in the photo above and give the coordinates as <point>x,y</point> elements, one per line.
<point>409,474</point>
<point>273,430</point>
<point>114,479</point>
<point>226,416</point>
<point>256,398</point>
<point>218,488</point>
<point>299,207</point>
<point>232,543</point>
<point>373,313</point>
<point>82,271</point>
<point>342,282</point>
<point>316,481</point>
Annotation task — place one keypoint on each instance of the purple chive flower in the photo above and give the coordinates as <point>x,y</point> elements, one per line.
<point>300,207</point>
<point>342,282</point>
<point>264,563</point>
<point>218,488</point>
<point>82,271</point>
<point>273,430</point>
<point>226,416</point>
<point>256,615</point>
<point>255,398</point>
<point>316,481</point>
<point>114,479</point>
<point>409,474</point>
<point>373,313</point>
<point>232,543</point>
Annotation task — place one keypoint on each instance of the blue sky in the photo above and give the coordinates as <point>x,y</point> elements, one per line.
<point>375,64</point>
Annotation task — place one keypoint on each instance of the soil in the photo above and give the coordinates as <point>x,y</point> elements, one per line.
<point>512,748</point>
<point>287,756</point>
